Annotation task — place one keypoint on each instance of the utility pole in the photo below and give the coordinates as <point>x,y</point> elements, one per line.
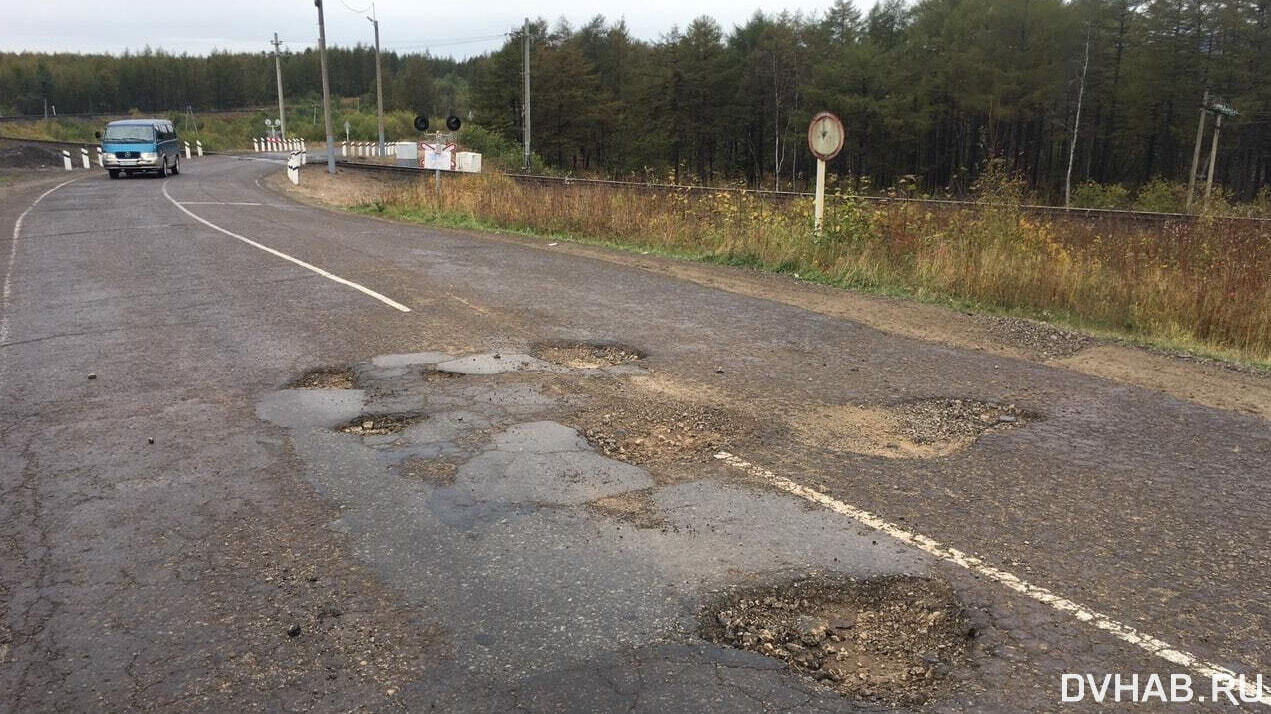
<point>1076,124</point>
<point>326,88</point>
<point>379,82</point>
<point>525,121</point>
<point>282,111</point>
<point>1213,156</point>
<point>1200,134</point>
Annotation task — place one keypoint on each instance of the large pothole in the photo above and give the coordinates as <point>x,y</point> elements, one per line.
<point>894,639</point>
<point>924,428</point>
<point>647,429</point>
<point>581,355</point>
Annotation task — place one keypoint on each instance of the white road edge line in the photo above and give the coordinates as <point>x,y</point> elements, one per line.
<point>329,276</point>
<point>219,203</point>
<point>13,257</point>
<point>1250,690</point>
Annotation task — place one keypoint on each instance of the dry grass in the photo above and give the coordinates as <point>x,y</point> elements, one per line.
<point>1201,283</point>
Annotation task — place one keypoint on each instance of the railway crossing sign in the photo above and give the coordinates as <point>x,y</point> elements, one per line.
<point>825,139</point>
<point>825,136</point>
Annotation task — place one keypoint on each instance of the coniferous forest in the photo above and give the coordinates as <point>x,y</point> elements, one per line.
<point>931,92</point>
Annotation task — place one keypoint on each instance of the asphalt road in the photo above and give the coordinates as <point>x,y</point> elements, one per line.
<point>180,531</point>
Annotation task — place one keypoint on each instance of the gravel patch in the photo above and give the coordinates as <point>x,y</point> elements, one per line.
<point>380,424</point>
<point>588,356</point>
<point>326,378</point>
<point>1036,338</point>
<point>894,640</point>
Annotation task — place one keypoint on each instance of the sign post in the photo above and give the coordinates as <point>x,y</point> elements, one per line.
<point>825,139</point>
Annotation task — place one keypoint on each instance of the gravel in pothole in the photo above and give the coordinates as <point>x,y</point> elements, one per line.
<point>326,378</point>
<point>925,428</point>
<point>634,507</point>
<point>894,639</point>
<point>934,420</point>
<point>379,424</point>
<point>1039,338</point>
<point>438,472</point>
<point>643,432</point>
<point>587,356</point>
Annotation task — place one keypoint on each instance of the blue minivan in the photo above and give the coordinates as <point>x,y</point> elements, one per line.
<point>134,145</point>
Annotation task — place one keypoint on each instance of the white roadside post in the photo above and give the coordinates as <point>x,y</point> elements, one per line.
<point>255,145</point>
<point>825,140</point>
<point>83,155</point>
<point>293,168</point>
<point>101,163</point>
<point>66,159</point>
<point>198,145</point>
<point>187,150</point>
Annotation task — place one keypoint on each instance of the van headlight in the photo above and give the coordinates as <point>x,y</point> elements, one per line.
<point>149,155</point>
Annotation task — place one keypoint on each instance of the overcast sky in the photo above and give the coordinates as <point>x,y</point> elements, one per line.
<point>445,28</point>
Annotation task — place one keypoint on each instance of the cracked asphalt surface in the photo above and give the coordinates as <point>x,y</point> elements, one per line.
<point>183,532</point>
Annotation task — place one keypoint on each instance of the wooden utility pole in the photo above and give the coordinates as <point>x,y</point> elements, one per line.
<point>326,88</point>
<point>379,81</point>
<point>282,110</point>
<point>525,120</point>
<point>1200,134</point>
<point>1213,156</point>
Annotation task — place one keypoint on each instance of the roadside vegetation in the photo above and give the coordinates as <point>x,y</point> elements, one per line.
<point>1201,284</point>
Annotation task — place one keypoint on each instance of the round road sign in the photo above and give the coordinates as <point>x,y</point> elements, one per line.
<point>825,136</point>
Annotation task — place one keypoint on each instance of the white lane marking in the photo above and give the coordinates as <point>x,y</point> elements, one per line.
<point>13,256</point>
<point>219,203</point>
<point>1122,632</point>
<point>329,276</point>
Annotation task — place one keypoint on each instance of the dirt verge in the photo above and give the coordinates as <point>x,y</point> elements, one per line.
<point>894,640</point>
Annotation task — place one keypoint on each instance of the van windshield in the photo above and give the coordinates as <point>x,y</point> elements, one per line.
<point>129,133</point>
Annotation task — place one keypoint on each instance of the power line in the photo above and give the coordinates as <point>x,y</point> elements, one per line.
<point>448,43</point>
<point>352,9</point>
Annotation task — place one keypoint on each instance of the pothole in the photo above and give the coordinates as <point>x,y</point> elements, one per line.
<point>379,424</point>
<point>643,431</point>
<point>894,639</point>
<point>924,428</point>
<point>587,356</point>
<point>326,378</point>
<point>634,507</point>
<point>438,472</point>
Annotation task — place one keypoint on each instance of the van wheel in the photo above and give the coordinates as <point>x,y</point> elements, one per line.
<point>163,168</point>
<point>176,166</point>
<point>114,173</point>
